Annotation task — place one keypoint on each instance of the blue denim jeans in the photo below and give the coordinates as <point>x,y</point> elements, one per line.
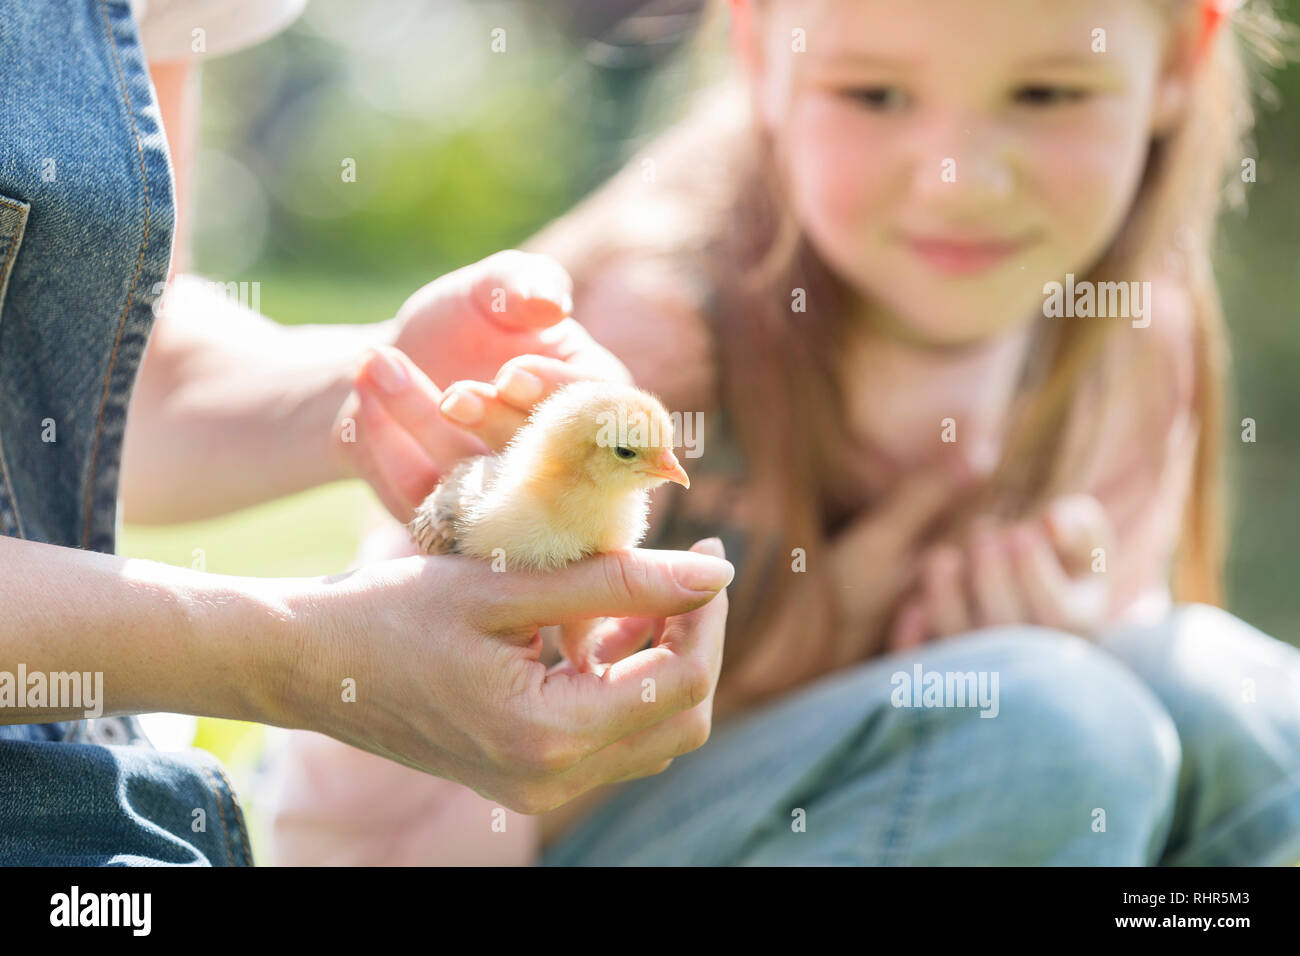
<point>1175,745</point>
<point>87,216</point>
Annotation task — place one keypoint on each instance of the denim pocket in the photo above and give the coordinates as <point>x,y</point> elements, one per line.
<point>13,220</point>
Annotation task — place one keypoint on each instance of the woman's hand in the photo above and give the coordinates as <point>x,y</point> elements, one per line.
<point>1038,571</point>
<point>463,326</point>
<point>434,662</point>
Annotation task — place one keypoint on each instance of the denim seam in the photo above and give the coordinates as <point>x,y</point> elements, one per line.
<point>139,267</point>
<point>246,850</point>
<point>221,812</point>
<point>917,769</point>
<point>9,493</point>
<point>4,464</point>
<point>14,242</point>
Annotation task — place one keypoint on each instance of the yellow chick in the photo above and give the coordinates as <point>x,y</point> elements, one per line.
<point>574,481</point>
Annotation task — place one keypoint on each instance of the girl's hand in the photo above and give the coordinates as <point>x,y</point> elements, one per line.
<point>867,569</point>
<point>1038,571</point>
<point>464,325</point>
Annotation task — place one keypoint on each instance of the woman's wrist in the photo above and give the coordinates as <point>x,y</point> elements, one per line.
<point>165,638</point>
<point>248,634</point>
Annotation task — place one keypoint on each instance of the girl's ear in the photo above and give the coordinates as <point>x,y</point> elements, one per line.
<point>1184,56</point>
<point>1170,104</point>
<point>748,46</point>
<point>745,42</point>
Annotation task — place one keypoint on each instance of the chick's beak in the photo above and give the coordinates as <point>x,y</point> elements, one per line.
<point>670,469</point>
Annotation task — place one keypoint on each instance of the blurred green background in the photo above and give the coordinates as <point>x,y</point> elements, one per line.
<point>460,150</point>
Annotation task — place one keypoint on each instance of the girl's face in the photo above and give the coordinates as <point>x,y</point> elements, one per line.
<point>949,157</point>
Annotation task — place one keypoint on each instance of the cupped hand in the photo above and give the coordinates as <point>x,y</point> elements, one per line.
<point>447,336</point>
<point>441,659</point>
<point>1048,571</point>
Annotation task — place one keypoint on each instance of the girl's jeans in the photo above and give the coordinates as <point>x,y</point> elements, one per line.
<point>1175,745</point>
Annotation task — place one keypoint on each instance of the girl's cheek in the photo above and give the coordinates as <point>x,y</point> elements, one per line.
<point>1087,174</point>
<point>836,157</point>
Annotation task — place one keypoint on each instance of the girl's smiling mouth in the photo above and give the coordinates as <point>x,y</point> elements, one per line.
<point>963,256</point>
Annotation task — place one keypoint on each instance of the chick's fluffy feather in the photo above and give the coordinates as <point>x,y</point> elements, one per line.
<point>559,491</point>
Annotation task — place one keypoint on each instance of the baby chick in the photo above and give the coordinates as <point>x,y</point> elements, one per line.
<point>574,481</point>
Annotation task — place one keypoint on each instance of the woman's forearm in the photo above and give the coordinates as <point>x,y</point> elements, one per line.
<point>231,408</point>
<point>142,636</point>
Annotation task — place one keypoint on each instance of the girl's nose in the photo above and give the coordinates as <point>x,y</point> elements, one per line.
<point>963,165</point>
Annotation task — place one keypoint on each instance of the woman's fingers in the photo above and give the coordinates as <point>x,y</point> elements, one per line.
<point>616,638</point>
<point>520,290</point>
<point>646,708</point>
<point>527,379</point>
<point>514,292</point>
<point>411,400</point>
<point>477,409</point>
<point>993,582</point>
<point>609,641</point>
<point>493,413</point>
<point>630,583</point>
<point>681,668</point>
<point>388,457</point>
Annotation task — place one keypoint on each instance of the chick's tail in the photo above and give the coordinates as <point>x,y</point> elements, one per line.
<point>433,528</point>
<point>433,533</point>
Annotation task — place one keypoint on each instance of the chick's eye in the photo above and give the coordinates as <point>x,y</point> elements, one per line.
<point>627,454</point>
<point>880,99</point>
<point>1047,95</point>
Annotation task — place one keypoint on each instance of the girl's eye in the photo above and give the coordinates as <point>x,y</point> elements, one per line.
<point>627,454</point>
<point>882,99</point>
<point>1049,95</point>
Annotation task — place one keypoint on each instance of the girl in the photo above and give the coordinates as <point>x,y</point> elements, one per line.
<point>846,264</point>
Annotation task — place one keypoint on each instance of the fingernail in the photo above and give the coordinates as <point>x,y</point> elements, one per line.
<point>388,372</point>
<point>703,573</point>
<point>519,386</point>
<point>463,407</point>
<point>553,286</point>
<point>711,546</point>
<point>1064,515</point>
<point>546,284</point>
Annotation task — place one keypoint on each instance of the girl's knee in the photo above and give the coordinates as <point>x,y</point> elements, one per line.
<point>1212,669</point>
<point>1067,718</point>
<point>1048,682</point>
<point>1234,695</point>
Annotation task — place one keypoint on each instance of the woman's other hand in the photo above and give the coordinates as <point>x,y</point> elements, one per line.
<point>394,429</point>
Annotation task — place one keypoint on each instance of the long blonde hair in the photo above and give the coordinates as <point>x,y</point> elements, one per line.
<point>718,215</point>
